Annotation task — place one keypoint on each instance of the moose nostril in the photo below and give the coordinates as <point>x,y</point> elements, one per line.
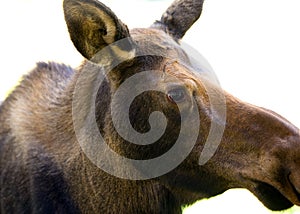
<point>294,179</point>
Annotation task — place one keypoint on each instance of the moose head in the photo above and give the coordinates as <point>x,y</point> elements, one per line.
<point>141,126</point>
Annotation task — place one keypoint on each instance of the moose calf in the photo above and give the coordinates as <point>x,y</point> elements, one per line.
<point>62,151</point>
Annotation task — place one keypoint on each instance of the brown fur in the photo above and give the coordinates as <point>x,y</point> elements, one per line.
<point>44,170</point>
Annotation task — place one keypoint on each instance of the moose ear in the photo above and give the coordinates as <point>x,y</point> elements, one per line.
<point>93,26</point>
<point>179,17</point>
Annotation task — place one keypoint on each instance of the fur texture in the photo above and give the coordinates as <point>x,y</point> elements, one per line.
<point>44,170</point>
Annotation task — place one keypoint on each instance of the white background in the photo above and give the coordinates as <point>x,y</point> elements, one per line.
<point>253,46</point>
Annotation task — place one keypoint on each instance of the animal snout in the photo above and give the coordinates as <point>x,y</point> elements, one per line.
<point>294,176</point>
<point>290,161</point>
<point>294,179</point>
<point>294,182</point>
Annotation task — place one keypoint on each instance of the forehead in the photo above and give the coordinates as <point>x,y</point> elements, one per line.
<point>176,61</point>
<point>157,43</point>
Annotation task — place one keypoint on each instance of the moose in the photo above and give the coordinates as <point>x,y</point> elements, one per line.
<point>50,156</point>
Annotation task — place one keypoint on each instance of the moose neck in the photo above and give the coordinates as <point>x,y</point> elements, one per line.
<point>96,191</point>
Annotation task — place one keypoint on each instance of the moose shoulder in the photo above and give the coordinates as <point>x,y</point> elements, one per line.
<point>47,141</point>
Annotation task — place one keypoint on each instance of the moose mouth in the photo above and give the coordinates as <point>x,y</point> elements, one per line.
<point>272,198</point>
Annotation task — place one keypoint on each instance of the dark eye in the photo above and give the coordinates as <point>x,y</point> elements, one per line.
<point>177,95</point>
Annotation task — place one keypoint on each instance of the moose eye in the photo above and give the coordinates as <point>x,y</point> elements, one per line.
<point>177,95</point>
